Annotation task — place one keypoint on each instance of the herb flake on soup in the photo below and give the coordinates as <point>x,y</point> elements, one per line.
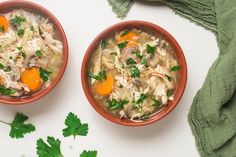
<point>30,54</point>
<point>133,74</point>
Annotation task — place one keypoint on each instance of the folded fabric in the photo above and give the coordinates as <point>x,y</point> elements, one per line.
<point>213,112</point>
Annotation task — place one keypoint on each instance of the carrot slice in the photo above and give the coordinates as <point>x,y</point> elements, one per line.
<point>131,37</point>
<point>3,24</point>
<point>105,87</point>
<point>31,78</point>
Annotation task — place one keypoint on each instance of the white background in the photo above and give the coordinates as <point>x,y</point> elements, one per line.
<point>82,21</point>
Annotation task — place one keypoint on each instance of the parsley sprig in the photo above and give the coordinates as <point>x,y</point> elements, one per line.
<point>18,126</point>
<point>52,149</point>
<point>88,153</point>
<point>74,126</point>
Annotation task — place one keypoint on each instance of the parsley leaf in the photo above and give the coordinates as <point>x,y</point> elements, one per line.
<point>115,105</point>
<point>18,128</point>
<point>122,44</point>
<point>88,153</point>
<point>1,66</point>
<point>6,91</point>
<point>169,93</point>
<point>102,75</point>
<point>44,74</point>
<point>39,53</point>
<point>150,49</point>
<point>138,54</point>
<point>103,44</point>
<point>135,72</point>
<point>51,150</point>
<point>17,20</point>
<point>141,98</point>
<point>157,103</point>
<point>144,62</point>
<point>74,126</point>
<point>20,32</point>
<point>175,68</point>
<point>130,61</point>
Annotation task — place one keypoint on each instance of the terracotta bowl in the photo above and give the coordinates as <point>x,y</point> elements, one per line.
<point>35,8</point>
<point>148,27</point>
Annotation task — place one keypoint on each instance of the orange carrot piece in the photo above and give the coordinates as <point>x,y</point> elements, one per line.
<point>3,24</point>
<point>31,78</point>
<point>105,87</point>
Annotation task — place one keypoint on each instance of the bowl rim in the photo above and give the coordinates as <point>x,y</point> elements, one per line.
<point>40,94</point>
<point>107,32</point>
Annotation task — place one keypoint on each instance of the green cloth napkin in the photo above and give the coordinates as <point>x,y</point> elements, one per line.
<point>213,112</point>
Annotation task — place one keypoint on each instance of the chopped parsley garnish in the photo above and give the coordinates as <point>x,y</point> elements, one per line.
<point>175,68</point>
<point>102,75</point>
<point>18,126</point>
<point>157,103</point>
<point>122,44</point>
<point>6,91</point>
<point>135,72</point>
<point>2,29</point>
<point>1,66</point>
<point>103,44</point>
<point>19,48</point>
<point>130,61</point>
<point>138,103</point>
<point>32,28</point>
<point>169,93</point>
<point>122,66</point>
<point>6,69</point>
<point>168,77</point>
<point>125,33</point>
<point>138,54</point>
<point>144,61</point>
<point>74,126</point>
<point>88,153</point>
<point>44,74</point>
<point>20,32</point>
<point>39,53</point>
<point>150,49</point>
<point>52,149</point>
<point>141,98</point>
<point>17,20</point>
<point>22,53</point>
<point>115,105</point>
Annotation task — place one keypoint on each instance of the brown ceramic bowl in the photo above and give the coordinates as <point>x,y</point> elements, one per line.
<point>149,27</point>
<point>35,8</point>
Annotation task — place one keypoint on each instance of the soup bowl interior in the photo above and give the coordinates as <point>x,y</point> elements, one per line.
<point>9,6</point>
<point>149,28</point>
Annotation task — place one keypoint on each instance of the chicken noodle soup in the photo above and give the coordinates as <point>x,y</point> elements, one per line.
<point>133,74</point>
<point>30,56</point>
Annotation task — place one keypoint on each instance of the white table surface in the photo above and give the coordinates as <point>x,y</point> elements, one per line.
<point>82,21</point>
